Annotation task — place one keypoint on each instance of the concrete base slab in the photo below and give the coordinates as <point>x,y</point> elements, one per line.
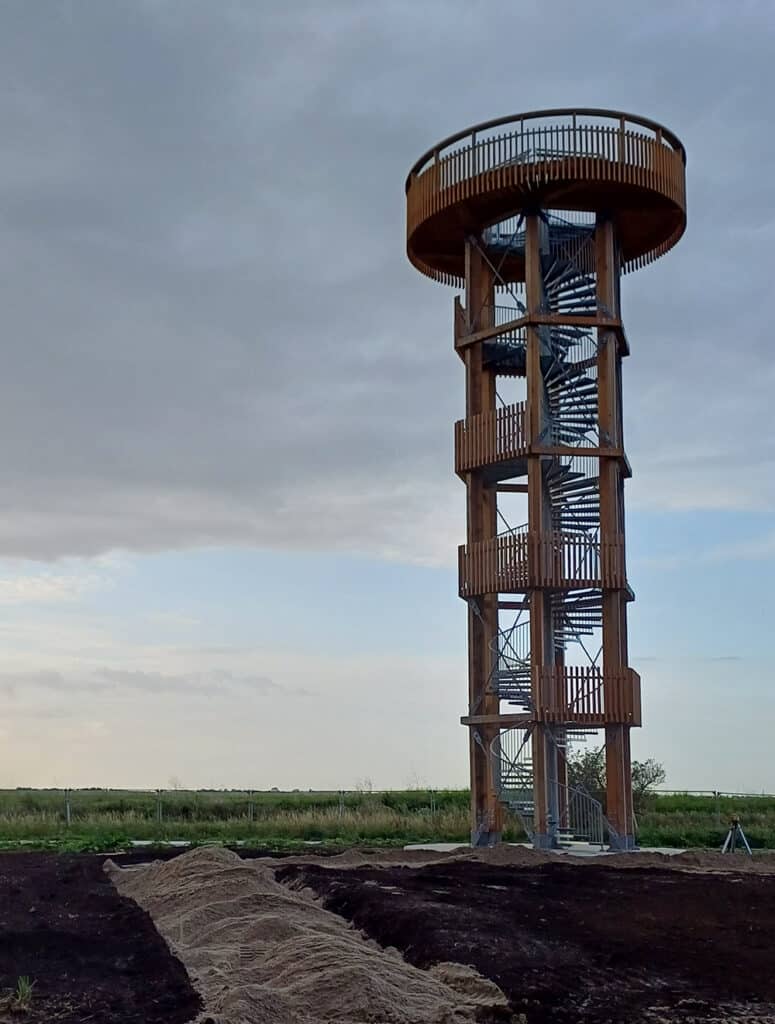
<point>573,849</point>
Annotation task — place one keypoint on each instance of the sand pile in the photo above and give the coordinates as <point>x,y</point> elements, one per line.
<point>259,953</point>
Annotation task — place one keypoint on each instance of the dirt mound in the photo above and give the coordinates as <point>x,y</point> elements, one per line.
<point>575,941</point>
<point>258,952</point>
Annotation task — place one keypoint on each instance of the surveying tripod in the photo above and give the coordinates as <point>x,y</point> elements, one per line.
<point>734,836</point>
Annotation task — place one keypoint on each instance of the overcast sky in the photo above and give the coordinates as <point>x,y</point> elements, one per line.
<point>229,520</point>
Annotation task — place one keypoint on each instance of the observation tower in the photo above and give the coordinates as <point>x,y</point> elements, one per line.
<point>535,218</point>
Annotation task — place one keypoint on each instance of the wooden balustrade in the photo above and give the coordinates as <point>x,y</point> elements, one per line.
<point>494,436</point>
<point>626,153</point>
<point>519,561</point>
<point>586,695</point>
<point>500,564</point>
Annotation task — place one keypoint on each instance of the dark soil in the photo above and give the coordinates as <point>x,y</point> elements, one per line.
<point>570,943</point>
<point>94,957</point>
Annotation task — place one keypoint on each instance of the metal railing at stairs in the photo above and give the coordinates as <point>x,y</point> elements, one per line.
<point>581,817</point>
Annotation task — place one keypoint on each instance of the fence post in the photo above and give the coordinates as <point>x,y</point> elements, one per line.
<point>250,805</point>
<point>717,796</point>
<point>67,808</point>
<point>341,803</point>
<point>159,814</point>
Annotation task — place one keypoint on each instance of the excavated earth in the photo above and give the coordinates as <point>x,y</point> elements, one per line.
<point>94,957</point>
<point>388,938</point>
<point>570,942</point>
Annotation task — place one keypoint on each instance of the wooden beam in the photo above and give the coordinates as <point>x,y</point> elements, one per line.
<point>497,721</point>
<point>538,320</point>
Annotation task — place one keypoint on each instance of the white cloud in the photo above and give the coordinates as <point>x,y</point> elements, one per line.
<point>44,589</point>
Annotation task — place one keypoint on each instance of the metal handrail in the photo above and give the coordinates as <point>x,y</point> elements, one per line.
<point>513,531</point>
<point>582,814</point>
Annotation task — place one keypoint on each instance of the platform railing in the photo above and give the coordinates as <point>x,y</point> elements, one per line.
<point>541,133</point>
<point>586,694</point>
<point>519,560</point>
<point>494,436</point>
<point>552,145</point>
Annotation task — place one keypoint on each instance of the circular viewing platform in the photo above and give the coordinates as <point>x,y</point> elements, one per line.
<point>601,161</point>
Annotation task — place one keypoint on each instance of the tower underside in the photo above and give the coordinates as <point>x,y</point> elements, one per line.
<point>523,220</point>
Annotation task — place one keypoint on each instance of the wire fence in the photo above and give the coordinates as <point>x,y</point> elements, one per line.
<point>72,806</point>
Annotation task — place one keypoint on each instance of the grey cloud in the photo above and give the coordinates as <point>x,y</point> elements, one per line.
<point>109,681</point>
<point>212,333</point>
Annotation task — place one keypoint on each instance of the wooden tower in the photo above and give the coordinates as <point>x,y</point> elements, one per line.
<point>536,217</point>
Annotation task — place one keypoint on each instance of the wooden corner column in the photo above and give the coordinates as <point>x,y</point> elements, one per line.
<point>619,809</point>
<point>482,525</point>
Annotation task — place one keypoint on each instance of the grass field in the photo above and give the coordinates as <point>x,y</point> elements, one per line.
<point>108,819</point>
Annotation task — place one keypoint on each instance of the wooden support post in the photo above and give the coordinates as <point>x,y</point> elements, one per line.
<point>486,810</point>
<point>618,772</point>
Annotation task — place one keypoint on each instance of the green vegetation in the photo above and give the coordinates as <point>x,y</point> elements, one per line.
<point>104,820</point>
<point>20,999</point>
<point>108,819</point>
<point>684,819</point>
<point>586,769</point>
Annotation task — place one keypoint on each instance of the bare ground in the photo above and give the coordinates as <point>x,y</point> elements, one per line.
<point>619,938</point>
<point>94,957</point>
<point>390,938</point>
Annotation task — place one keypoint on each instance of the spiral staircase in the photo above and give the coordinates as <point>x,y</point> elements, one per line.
<point>569,370</point>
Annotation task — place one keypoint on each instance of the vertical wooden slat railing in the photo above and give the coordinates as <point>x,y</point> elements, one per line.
<point>497,435</point>
<point>517,560</point>
<point>586,695</point>
<point>644,161</point>
<point>579,150</point>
